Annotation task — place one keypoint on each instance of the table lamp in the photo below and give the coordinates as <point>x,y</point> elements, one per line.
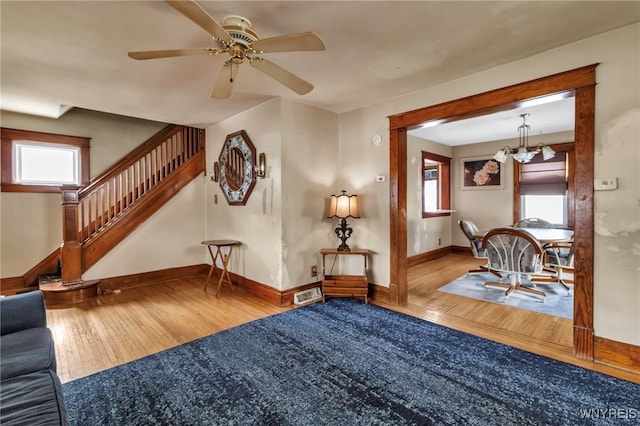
<point>343,206</point>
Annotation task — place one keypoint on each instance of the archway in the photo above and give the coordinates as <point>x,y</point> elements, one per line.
<point>582,82</point>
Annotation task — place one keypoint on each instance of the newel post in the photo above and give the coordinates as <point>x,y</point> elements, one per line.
<point>71,245</point>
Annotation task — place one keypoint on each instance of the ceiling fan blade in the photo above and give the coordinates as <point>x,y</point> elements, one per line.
<point>197,14</point>
<point>226,80</point>
<point>156,54</point>
<point>285,77</point>
<point>290,43</point>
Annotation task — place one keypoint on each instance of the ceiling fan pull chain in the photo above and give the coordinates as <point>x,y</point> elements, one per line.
<point>231,72</point>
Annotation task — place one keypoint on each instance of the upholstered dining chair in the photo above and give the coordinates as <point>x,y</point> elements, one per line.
<point>533,222</point>
<point>469,229</point>
<point>559,257</point>
<point>516,252</point>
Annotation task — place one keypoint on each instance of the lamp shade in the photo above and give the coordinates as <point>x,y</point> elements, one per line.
<point>501,155</point>
<point>343,206</point>
<point>548,153</point>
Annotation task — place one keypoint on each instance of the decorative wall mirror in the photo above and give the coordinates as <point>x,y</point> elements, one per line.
<point>237,168</point>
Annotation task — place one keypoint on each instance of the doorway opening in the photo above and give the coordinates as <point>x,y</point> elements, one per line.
<point>582,82</point>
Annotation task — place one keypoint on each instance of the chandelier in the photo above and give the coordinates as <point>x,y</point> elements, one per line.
<point>524,153</point>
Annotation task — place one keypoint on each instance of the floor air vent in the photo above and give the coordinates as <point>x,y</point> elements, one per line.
<point>307,296</point>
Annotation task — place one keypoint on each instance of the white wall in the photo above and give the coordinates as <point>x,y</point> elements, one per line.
<point>31,224</point>
<point>281,226</point>
<point>31,228</point>
<point>309,152</point>
<point>486,207</point>
<point>257,224</point>
<point>423,233</point>
<point>617,213</point>
<point>359,164</point>
<point>170,238</point>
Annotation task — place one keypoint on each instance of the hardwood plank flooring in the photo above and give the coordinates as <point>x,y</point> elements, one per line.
<point>542,334</point>
<point>114,329</point>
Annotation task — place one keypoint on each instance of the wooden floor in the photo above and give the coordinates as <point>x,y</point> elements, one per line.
<point>110,330</point>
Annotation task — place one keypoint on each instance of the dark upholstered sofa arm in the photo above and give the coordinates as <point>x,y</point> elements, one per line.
<point>21,312</point>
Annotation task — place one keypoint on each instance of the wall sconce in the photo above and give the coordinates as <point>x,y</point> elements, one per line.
<point>343,206</point>
<point>261,167</point>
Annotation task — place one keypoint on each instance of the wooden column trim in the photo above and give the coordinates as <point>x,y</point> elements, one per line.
<point>583,236</point>
<point>71,251</point>
<point>398,289</point>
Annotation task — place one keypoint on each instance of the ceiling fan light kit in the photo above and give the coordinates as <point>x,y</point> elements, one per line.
<point>237,38</point>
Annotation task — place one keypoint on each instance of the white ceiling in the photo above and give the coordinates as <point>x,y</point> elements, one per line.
<point>552,117</point>
<point>75,53</point>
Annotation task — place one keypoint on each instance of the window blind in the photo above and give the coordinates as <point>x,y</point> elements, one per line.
<point>540,177</point>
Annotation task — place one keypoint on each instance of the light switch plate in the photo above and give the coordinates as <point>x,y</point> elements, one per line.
<point>381,178</point>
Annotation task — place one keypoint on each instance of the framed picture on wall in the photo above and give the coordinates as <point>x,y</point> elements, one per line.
<point>481,173</point>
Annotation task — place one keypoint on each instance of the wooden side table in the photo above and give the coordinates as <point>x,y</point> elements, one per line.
<point>345,285</point>
<point>224,258</point>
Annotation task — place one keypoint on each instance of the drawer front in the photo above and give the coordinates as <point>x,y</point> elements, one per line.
<point>352,283</point>
<point>344,291</point>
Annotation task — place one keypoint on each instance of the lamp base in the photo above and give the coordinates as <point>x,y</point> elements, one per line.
<point>344,247</point>
<point>343,232</point>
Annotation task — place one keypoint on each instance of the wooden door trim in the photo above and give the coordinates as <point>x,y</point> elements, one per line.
<point>582,82</point>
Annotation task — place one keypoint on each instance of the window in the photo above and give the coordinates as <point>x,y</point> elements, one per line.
<point>552,208</point>
<point>36,164</point>
<point>545,188</point>
<point>435,185</point>
<point>42,162</point>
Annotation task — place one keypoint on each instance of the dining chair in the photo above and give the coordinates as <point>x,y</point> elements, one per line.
<point>533,222</point>
<point>469,229</point>
<point>516,252</point>
<point>559,257</point>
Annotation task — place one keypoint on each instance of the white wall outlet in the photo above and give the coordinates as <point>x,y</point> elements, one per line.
<point>381,178</point>
<point>605,184</point>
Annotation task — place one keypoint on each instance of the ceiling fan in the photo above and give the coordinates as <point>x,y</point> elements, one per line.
<point>236,37</point>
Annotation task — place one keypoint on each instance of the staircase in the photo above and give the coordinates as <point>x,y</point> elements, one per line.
<point>96,218</point>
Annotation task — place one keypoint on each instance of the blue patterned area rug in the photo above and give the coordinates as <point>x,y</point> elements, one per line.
<point>557,303</point>
<point>347,363</point>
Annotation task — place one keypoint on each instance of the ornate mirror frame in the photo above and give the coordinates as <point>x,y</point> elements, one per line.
<point>582,82</point>
<point>237,165</point>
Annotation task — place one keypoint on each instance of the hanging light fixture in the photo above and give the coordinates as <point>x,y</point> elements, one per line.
<point>524,153</point>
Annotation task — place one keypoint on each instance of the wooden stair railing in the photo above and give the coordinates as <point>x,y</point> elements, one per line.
<point>99,216</point>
